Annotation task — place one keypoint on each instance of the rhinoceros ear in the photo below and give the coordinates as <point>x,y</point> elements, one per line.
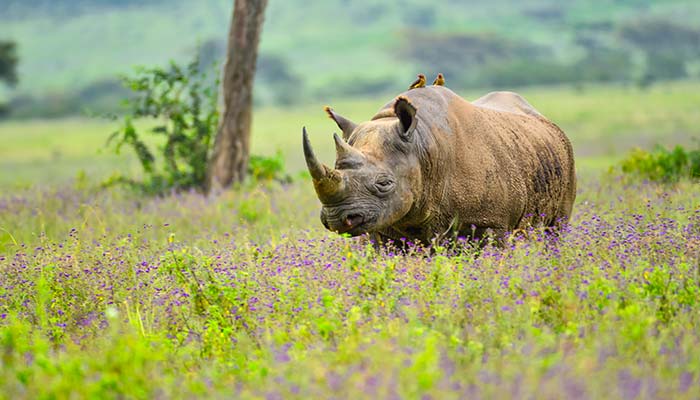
<point>406,113</point>
<point>344,124</point>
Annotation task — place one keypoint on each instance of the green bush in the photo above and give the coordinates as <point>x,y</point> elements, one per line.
<point>663,165</point>
<point>183,101</point>
<point>261,168</point>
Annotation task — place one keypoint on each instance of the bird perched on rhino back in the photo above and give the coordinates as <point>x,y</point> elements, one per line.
<point>431,165</point>
<point>439,80</point>
<point>418,83</point>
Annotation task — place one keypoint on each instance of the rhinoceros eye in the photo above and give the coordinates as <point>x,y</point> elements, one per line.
<point>384,185</point>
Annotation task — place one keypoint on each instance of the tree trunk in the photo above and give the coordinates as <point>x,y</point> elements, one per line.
<point>229,160</point>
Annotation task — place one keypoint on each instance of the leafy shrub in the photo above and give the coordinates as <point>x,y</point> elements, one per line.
<point>183,101</point>
<point>261,168</point>
<point>662,164</point>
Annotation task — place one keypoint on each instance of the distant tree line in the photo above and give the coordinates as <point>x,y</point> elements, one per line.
<point>275,83</point>
<point>8,62</point>
<point>638,51</point>
<point>10,9</point>
<point>8,68</point>
<point>73,5</point>
<point>665,49</point>
<point>665,46</point>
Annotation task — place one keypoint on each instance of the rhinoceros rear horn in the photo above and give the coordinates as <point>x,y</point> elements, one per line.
<point>317,170</point>
<point>344,151</point>
<point>406,113</point>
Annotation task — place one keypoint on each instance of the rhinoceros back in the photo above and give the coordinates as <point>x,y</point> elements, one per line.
<point>507,102</point>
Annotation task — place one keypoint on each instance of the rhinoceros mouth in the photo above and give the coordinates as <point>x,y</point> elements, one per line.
<point>353,224</point>
<point>354,231</point>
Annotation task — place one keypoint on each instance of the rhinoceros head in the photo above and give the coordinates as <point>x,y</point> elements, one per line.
<point>377,176</point>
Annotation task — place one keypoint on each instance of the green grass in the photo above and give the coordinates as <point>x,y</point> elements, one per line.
<point>603,122</point>
<point>46,151</point>
<point>244,295</point>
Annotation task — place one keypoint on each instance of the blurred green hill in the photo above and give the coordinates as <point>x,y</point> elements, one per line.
<point>72,51</point>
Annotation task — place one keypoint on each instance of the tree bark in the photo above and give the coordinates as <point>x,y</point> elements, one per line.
<point>229,160</point>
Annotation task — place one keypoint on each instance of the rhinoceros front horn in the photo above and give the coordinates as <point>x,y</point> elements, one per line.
<point>327,182</point>
<point>317,170</point>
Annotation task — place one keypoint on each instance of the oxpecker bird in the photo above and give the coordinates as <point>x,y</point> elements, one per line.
<point>439,80</point>
<point>418,83</point>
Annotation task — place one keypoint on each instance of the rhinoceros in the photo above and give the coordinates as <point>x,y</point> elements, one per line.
<point>431,165</point>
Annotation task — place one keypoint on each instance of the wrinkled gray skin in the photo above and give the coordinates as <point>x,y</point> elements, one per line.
<point>430,165</point>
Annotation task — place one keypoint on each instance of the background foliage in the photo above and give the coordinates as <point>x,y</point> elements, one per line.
<point>662,164</point>
<point>8,62</point>
<point>8,68</point>
<point>370,50</point>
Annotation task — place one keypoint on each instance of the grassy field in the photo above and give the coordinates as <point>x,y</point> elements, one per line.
<point>244,295</point>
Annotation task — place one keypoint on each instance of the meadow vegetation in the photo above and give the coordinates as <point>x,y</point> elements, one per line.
<point>243,294</point>
<point>662,164</point>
